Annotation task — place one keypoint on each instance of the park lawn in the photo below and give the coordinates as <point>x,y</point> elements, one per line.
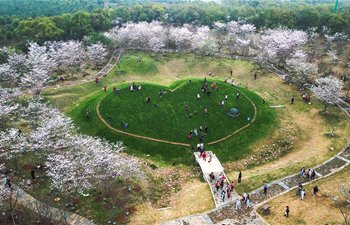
<point>169,120</point>
<point>312,210</point>
<point>170,154</point>
<point>162,69</point>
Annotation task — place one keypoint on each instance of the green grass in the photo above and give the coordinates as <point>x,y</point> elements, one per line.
<point>169,120</point>
<point>137,63</point>
<point>176,123</point>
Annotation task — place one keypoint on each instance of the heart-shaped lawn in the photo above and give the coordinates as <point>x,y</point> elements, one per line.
<point>167,117</point>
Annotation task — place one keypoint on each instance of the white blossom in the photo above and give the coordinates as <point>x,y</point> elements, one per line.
<point>97,53</point>
<point>89,163</point>
<point>328,90</point>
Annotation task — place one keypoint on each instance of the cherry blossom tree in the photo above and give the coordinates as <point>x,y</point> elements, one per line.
<point>97,53</point>
<point>277,45</point>
<point>142,35</point>
<point>241,35</point>
<point>181,37</point>
<point>70,54</point>
<point>328,90</point>
<point>8,103</point>
<point>300,69</point>
<point>12,144</point>
<point>89,163</point>
<point>219,30</point>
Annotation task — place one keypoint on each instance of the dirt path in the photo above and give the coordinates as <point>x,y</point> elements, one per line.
<point>115,57</point>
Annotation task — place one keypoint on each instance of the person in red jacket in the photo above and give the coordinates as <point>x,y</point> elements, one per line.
<point>204,155</point>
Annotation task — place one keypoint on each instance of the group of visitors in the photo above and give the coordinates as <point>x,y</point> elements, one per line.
<point>199,133</point>
<point>310,174</point>
<point>133,87</point>
<point>221,183</point>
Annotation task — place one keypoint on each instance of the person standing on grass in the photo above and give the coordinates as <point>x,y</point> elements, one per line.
<point>32,173</point>
<point>198,96</point>
<point>105,88</point>
<point>302,194</point>
<point>239,177</point>
<point>292,100</point>
<point>114,89</point>
<point>205,111</point>
<point>231,72</point>
<point>226,97</point>
<point>237,95</point>
<point>286,212</point>
<point>315,191</point>
<point>222,104</point>
<point>8,182</point>
<point>206,130</point>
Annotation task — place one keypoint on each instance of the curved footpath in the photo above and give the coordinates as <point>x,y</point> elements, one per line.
<point>26,200</point>
<point>103,72</point>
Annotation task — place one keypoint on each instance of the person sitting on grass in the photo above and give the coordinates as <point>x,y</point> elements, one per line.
<point>124,125</point>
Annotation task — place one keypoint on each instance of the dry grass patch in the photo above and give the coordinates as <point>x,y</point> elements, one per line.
<point>312,210</point>
<point>307,129</point>
<point>194,197</point>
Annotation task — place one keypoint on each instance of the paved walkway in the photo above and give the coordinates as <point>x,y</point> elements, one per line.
<point>29,202</point>
<point>214,166</point>
<point>228,214</point>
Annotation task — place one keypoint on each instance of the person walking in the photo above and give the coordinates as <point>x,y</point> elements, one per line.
<point>248,202</point>
<point>302,172</point>
<point>315,191</point>
<point>238,204</point>
<point>302,194</point>
<point>286,212</point>
<point>8,182</point>
<point>232,186</point>
<point>32,173</point>
<point>265,189</point>
<point>223,193</point>
<point>217,185</point>
<point>313,174</point>
<point>239,177</point>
